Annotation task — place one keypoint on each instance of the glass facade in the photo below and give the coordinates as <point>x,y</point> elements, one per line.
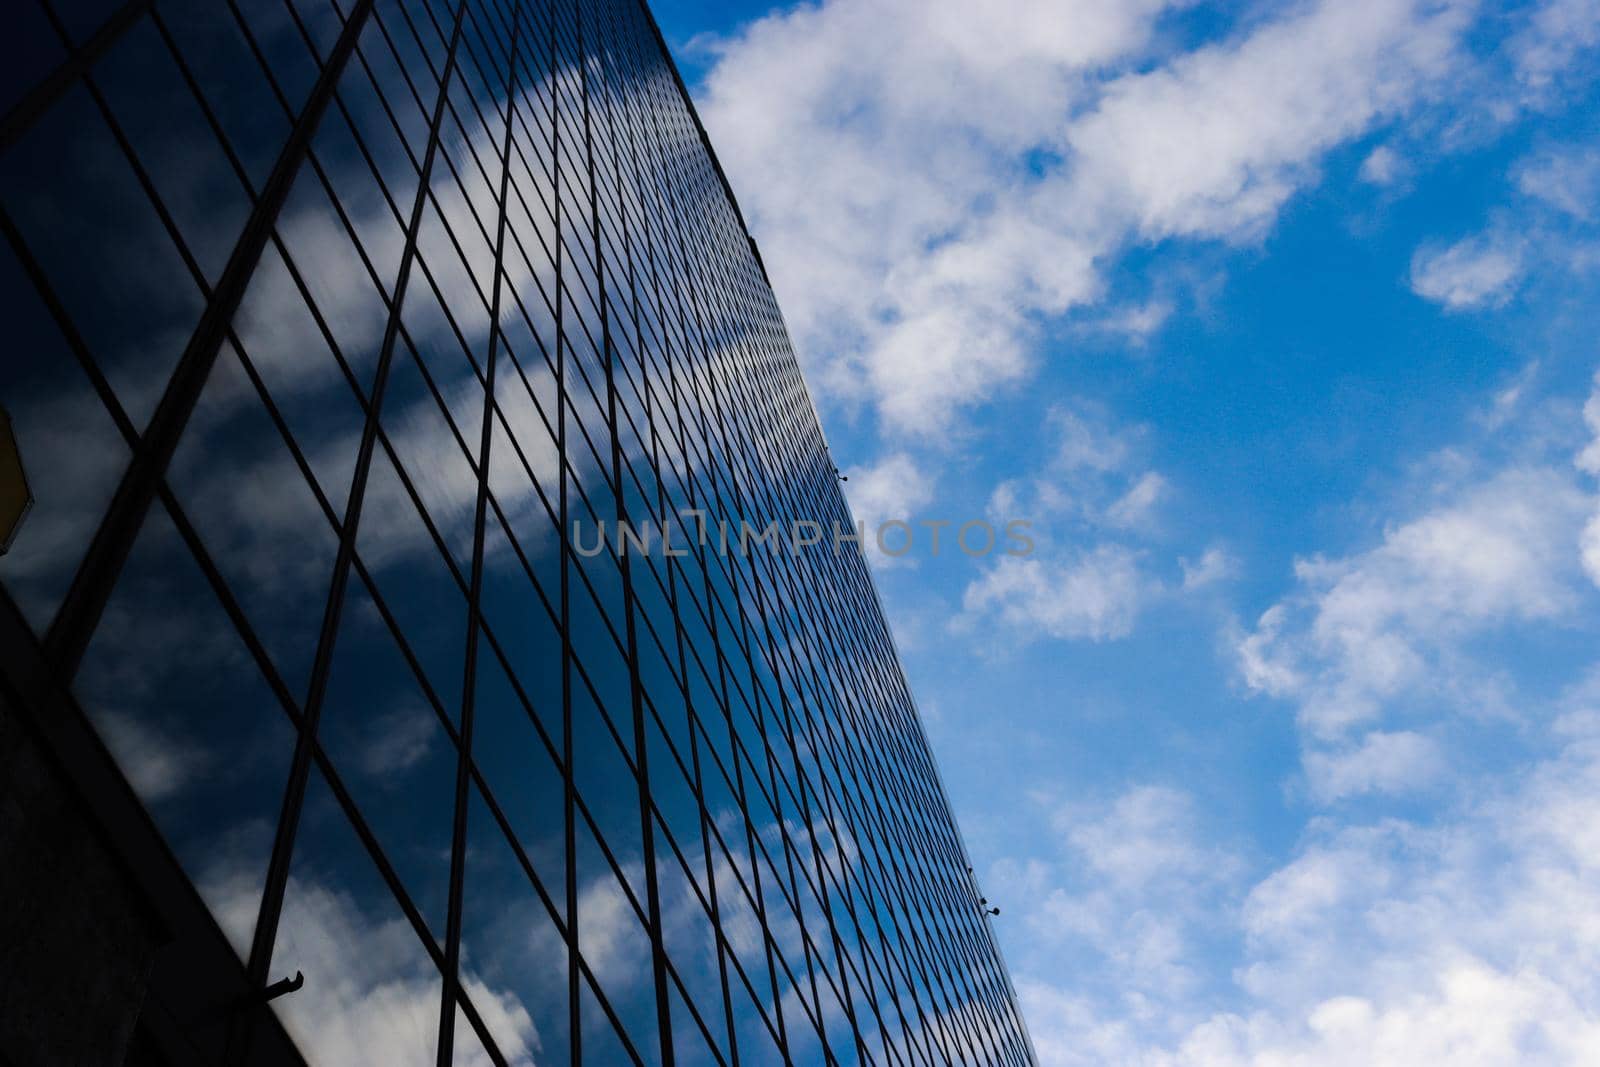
<point>333,331</point>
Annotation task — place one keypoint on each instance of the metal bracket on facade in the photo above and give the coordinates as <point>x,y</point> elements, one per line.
<point>277,989</point>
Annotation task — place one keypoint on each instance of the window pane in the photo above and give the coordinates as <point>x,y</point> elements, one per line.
<point>175,695</point>
<point>71,452</point>
<point>371,993</point>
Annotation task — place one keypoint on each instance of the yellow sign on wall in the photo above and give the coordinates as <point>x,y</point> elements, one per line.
<point>15,496</point>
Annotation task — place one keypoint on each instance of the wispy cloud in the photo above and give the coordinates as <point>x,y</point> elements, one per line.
<point>927,208</point>
<point>1095,594</point>
<point>1478,271</point>
<point>1368,629</point>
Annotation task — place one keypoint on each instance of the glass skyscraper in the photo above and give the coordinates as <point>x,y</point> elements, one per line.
<point>334,331</point>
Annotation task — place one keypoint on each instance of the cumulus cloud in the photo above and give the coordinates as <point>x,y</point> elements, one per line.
<point>1095,594</point>
<point>1137,506</point>
<point>157,765</point>
<point>1471,939</point>
<point>1094,475</point>
<point>1476,271</point>
<point>1383,166</point>
<point>895,489</point>
<point>371,993</point>
<point>1544,48</point>
<point>1367,629</point>
<point>1467,935</point>
<point>1382,762</point>
<point>1126,888</point>
<point>1215,142</point>
<point>1095,507</point>
<point>927,210</point>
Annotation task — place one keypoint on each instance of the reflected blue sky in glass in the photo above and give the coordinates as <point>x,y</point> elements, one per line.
<point>262,476</point>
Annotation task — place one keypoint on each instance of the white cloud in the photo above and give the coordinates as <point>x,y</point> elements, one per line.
<point>396,740</point>
<point>1147,833</point>
<point>1590,546</point>
<point>1383,166</point>
<point>1126,892</point>
<point>371,995</point>
<point>1388,623</point>
<point>1093,474</point>
<point>1215,142</point>
<point>1095,594</point>
<point>157,765</point>
<point>1215,565</point>
<point>1476,271</point>
<point>1473,940</point>
<point>1095,510</point>
<point>1137,506</point>
<point>1507,401</point>
<point>1589,459</point>
<point>893,488</point>
<point>1399,762</point>
<point>1566,178</point>
<point>1086,440</point>
<point>1545,48</point>
<point>1382,652</point>
<point>925,209</point>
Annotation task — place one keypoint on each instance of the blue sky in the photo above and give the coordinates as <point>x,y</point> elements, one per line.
<point>1277,321</point>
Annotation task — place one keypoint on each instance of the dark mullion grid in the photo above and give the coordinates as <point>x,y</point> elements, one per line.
<point>836,835</point>
<point>734,741</point>
<point>707,826</point>
<point>453,937</point>
<point>228,602</point>
<point>450,164</point>
<point>756,847</point>
<point>351,811</point>
<point>755,711</point>
<point>936,976</point>
<point>967,1000</point>
<point>460,337</point>
<point>180,521</point>
<point>416,34</point>
<point>451,989</point>
<point>787,728</point>
<point>903,965</point>
<point>306,746</point>
<point>432,697</point>
<point>640,741</point>
<point>922,922</point>
<point>735,359</point>
<point>916,927</point>
<point>80,59</point>
<point>919,940</point>
<point>442,549</point>
<point>569,789</point>
<point>429,693</point>
<point>696,725</point>
<point>80,611</point>
<point>960,911</point>
<point>845,999</point>
<point>965,1003</point>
